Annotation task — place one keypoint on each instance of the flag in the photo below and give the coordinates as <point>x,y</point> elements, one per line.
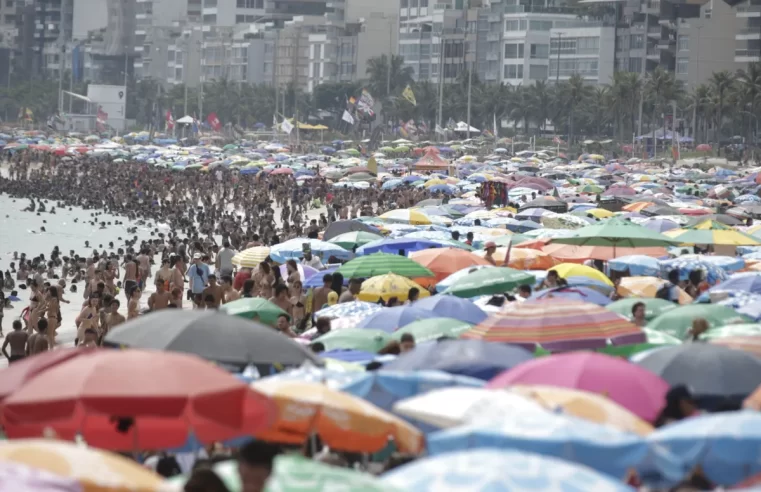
<point>409,95</point>
<point>557,140</point>
<point>372,165</point>
<point>28,114</point>
<point>347,117</point>
<point>101,119</point>
<point>352,100</point>
<point>21,113</point>
<point>366,103</point>
<point>274,122</point>
<point>214,122</point>
<point>440,130</point>
<point>169,120</point>
<point>451,123</point>
<point>286,126</point>
<point>675,152</point>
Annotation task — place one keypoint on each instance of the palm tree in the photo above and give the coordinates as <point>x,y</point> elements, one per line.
<point>596,109</point>
<point>521,108</point>
<point>540,95</point>
<point>379,82</point>
<point>721,83</point>
<point>573,94</point>
<point>748,93</point>
<point>662,90</point>
<point>623,100</point>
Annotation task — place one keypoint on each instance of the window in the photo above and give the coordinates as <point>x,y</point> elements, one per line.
<point>683,42</point>
<point>536,25</point>
<point>637,41</point>
<point>513,71</point>
<point>249,4</point>
<point>587,45</point>
<point>682,65</point>
<point>635,65</point>
<point>425,51</point>
<point>512,25</point>
<point>540,51</point>
<point>267,67</point>
<point>434,68</point>
<point>523,26</point>
<point>537,72</point>
<point>316,70</point>
<point>424,71</point>
<point>513,51</point>
<point>423,3</point>
<point>403,4</point>
<point>240,19</point>
<point>413,4</point>
<point>178,73</point>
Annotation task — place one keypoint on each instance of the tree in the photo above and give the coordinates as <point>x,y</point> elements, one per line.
<point>662,89</point>
<point>570,96</point>
<point>379,84</point>
<point>747,93</point>
<point>540,100</point>
<point>721,83</point>
<point>623,101</point>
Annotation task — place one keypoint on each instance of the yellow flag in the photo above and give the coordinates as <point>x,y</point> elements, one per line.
<point>29,114</point>
<point>409,95</point>
<point>372,165</point>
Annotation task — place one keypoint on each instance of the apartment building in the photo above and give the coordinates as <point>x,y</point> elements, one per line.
<point>585,51</point>
<point>748,37</point>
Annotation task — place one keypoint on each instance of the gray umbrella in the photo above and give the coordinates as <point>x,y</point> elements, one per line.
<point>714,374</point>
<point>218,337</point>
<point>343,226</point>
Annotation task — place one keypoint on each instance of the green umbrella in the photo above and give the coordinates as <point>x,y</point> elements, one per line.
<point>354,339</point>
<point>194,166</point>
<point>591,189</point>
<point>293,473</point>
<point>712,232</point>
<point>361,177</point>
<point>227,471</point>
<point>738,330</point>
<point>489,280</point>
<point>678,321</point>
<point>253,307</point>
<point>350,151</point>
<point>348,240</point>
<point>426,330</point>
<point>455,244</point>
<point>616,233</point>
<point>660,338</point>
<point>626,351</point>
<point>381,264</point>
<point>654,307</point>
<point>514,239</point>
<point>230,147</point>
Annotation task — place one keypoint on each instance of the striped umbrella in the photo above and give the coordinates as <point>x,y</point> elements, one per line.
<point>387,286</point>
<point>557,325</point>
<point>251,257</point>
<point>406,216</point>
<point>381,264</point>
<point>346,309</point>
<point>712,232</point>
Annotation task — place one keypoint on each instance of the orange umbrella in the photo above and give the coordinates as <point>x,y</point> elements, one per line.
<point>445,261</point>
<point>637,206</point>
<point>578,254</point>
<point>342,421</point>
<point>523,258</point>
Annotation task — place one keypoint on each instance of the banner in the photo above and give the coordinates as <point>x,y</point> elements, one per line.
<point>286,126</point>
<point>366,103</point>
<point>169,120</point>
<point>214,122</point>
<point>409,95</point>
<point>347,117</point>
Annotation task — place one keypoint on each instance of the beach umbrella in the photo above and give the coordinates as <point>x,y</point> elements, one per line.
<point>383,263</point>
<point>343,226</point>
<point>497,470</point>
<point>556,325</point>
<point>522,258</point>
<point>585,405</point>
<point>453,307</point>
<point>745,282</point>
<point>15,376</point>
<point>632,387</point>
<point>488,280</point>
<point>571,271</point>
<point>573,293</point>
<point>349,309</point>
<point>393,318</point>
<point>354,339</point>
<point>647,287</point>
<point>455,406</point>
<point>342,421</point>
<point>474,358</point>
<point>654,307</point>
<point>712,232</point>
<point>294,248</point>
<point>305,271</point>
<point>384,287</point>
<point>254,308</point>
<point>616,233</point>
<point>396,245</point>
<point>722,444</point>
<point>445,261</point>
<point>678,322</point>
<point>159,400</point>
<point>385,388</point>
<point>211,335</point>
<point>659,224</point>
<point>291,473</point>
<point>432,329</point>
<point>406,216</point>
<point>45,465</point>
<point>603,448</point>
<point>636,265</point>
<point>310,374</point>
<point>716,375</point>
<point>251,257</point>
<point>747,343</point>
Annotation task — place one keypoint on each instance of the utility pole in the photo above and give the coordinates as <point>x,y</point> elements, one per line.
<point>441,80</point>
<point>468,65</point>
<point>643,72</point>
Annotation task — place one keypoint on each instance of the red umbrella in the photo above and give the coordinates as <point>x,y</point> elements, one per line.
<point>15,376</point>
<point>127,399</point>
<point>703,148</point>
<point>283,170</point>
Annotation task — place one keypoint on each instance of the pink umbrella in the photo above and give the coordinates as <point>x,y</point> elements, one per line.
<point>703,148</point>
<point>618,190</point>
<point>305,272</point>
<point>629,385</point>
<point>283,170</point>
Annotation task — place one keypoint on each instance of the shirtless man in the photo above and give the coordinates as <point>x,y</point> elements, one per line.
<point>228,293</point>
<point>113,318</point>
<point>130,275</point>
<point>160,298</point>
<point>144,262</point>
<point>17,340</point>
<point>38,342</point>
<point>90,338</point>
<point>214,290</point>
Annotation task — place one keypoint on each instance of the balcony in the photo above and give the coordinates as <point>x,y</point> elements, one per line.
<point>653,53</point>
<point>654,32</point>
<point>492,75</point>
<point>492,56</point>
<point>748,34</point>
<point>666,44</point>
<point>746,56</point>
<point>495,17</point>
<point>493,36</point>
<point>746,11</point>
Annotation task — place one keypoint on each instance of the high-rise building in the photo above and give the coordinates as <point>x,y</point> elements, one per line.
<point>748,37</point>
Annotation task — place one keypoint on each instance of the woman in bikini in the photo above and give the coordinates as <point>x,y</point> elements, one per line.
<point>53,311</point>
<point>88,318</point>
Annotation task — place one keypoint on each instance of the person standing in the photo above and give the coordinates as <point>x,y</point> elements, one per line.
<point>17,340</point>
<point>223,263</point>
<point>198,273</point>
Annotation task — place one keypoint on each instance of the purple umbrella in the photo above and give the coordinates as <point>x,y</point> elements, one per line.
<point>305,272</point>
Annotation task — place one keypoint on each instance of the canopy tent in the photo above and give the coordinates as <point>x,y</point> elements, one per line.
<point>463,127</point>
<point>185,120</point>
<point>431,160</point>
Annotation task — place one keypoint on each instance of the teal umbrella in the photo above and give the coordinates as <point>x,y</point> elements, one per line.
<point>616,233</point>
<point>654,307</point>
<point>430,329</point>
<point>381,264</point>
<point>348,240</point>
<point>678,321</point>
<point>363,339</point>
<point>489,280</point>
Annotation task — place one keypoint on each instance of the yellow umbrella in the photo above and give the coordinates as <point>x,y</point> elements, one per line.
<point>647,287</point>
<point>95,470</point>
<point>585,405</point>
<point>341,420</point>
<point>251,257</point>
<point>596,157</point>
<point>434,182</point>
<point>406,216</point>
<point>599,213</point>
<point>566,270</point>
<point>388,286</point>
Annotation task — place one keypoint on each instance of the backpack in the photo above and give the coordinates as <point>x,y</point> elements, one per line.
<point>664,292</point>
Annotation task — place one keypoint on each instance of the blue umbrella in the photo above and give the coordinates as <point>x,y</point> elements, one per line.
<point>747,199</point>
<point>575,293</point>
<point>686,264</point>
<point>391,184</point>
<point>726,445</point>
<point>344,355</point>
<point>524,226</point>
<point>493,470</point>
<point>603,448</point>
<point>412,179</point>
<point>443,188</point>
<point>333,379</point>
<point>453,307</point>
<point>475,358</point>
<point>355,308</point>
<point>384,388</point>
<point>294,248</point>
<point>746,282</point>
<point>316,280</point>
<point>393,318</point>
<point>715,374</point>
<point>249,170</point>
<point>637,265</point>
<point>396,246</point>
<point>328,150</point>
